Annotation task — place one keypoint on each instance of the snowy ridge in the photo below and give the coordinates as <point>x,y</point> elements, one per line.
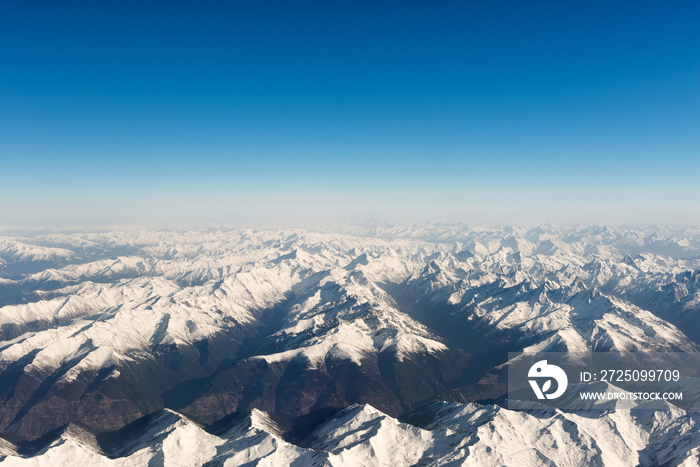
<point>438,434</point>
<point>346,317</point>
<point>104,326</point>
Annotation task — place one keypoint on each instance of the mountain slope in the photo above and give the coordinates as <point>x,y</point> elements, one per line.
<point>105,326</point>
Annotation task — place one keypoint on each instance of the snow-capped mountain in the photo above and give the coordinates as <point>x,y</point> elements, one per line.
<point>437,434</point>
<point>100,328</point>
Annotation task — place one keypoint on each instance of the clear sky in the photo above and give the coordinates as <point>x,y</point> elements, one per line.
<point>488,111</point>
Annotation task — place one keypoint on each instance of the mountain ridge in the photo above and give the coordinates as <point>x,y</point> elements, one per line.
<point>105,327</point>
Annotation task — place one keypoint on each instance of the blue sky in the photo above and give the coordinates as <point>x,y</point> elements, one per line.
<point>266,111</point>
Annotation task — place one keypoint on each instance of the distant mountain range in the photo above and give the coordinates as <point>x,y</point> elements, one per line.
<point>308,346</point>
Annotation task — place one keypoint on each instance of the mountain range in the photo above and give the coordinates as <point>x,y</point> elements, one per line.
<point>350,344</point>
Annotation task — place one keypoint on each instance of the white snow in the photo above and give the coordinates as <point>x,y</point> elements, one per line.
<point>566,288</point>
